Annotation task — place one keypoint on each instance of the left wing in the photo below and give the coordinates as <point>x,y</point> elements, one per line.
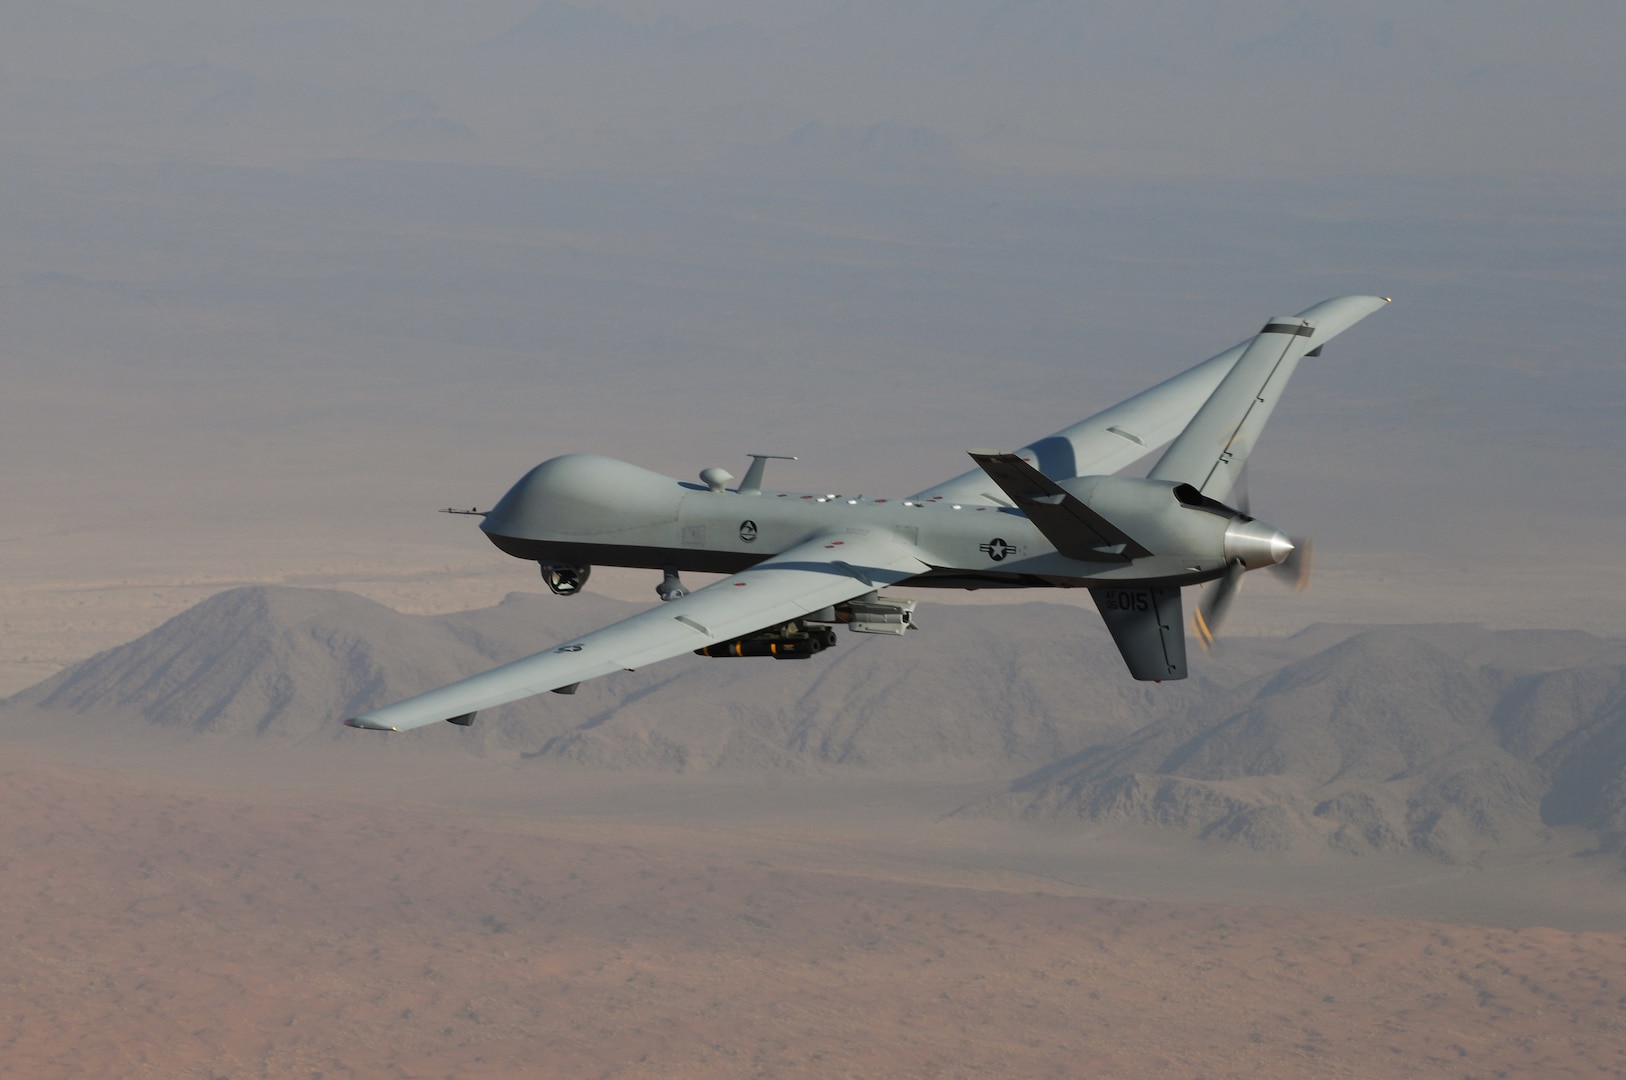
<point>825,570</point>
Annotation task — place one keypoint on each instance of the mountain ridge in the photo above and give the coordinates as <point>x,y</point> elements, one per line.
<point>1444,741</point>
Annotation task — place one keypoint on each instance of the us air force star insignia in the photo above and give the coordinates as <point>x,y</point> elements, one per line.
<point>568,648</point>
<point>996,549</point>
<point>748,531</point>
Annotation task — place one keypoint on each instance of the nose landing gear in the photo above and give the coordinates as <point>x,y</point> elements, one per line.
<point>671,586</point>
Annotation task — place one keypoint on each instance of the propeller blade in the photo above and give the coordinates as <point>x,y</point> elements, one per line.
<point>1210,613</point>
<point>1296,567</point>
<point>1239,493</point>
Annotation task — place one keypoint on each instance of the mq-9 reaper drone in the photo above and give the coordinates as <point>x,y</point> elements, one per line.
<point>1051,515</point>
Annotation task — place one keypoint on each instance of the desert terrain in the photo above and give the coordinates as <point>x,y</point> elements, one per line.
<point>218,881</point>
<point>156,929</point>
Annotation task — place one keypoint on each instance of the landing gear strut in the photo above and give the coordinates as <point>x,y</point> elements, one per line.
<point>671,586</point>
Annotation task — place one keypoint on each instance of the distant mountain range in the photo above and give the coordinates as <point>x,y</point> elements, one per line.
<point>1440,740</point>
<point>999,688</point>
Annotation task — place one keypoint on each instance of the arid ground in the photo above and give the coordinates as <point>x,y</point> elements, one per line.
<point>202,925</point>
<point>242,909</point>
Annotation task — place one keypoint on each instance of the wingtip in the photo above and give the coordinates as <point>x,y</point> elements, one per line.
<point>361,722</point>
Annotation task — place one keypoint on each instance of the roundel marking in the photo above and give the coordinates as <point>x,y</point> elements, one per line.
<point>996,549</point>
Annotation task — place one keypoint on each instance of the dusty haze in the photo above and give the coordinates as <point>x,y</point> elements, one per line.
<point>278,282</point>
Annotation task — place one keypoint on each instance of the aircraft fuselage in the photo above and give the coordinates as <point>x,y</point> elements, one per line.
<point>587,510</point>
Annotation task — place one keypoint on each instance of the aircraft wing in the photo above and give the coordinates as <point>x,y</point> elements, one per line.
<point>1213,449</point>
<point>1130,430</point>
<point>829,569</point>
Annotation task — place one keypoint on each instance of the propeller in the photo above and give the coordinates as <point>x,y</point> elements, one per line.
<point>1210,613</point>
<point>1295,569</point>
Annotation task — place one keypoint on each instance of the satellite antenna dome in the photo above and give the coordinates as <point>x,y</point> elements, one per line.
<point>716,479</point>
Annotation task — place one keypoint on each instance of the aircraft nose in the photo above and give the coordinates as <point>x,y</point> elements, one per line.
<point>1256,544</point>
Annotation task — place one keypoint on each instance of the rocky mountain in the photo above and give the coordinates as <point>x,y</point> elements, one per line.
<point>270,662</point>
<point>988,688</point>
<point>1438,741</point>
<point>1441,740</point>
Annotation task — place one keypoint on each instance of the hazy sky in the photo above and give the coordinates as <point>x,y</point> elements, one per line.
<point>1194,89</point>
<point>282,277</point>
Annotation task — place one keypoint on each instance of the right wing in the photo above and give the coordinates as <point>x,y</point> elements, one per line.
<point>829,569</point>
<point>1126,432</point>
<point>1211,452</point>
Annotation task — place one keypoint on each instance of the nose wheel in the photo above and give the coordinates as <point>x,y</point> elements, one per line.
<point>671,586</point>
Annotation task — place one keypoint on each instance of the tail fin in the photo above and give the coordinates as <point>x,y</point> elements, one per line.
<point>1066,520</point>
<point>1146,626</point>
<point>1210,453</point>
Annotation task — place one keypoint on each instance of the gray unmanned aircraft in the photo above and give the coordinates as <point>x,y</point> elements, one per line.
<point>1051,515</point>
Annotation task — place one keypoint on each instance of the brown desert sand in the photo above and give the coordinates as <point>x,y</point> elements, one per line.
<point>153,931</point>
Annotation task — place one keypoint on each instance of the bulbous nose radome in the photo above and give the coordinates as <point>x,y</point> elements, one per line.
<point>1255,544</point>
